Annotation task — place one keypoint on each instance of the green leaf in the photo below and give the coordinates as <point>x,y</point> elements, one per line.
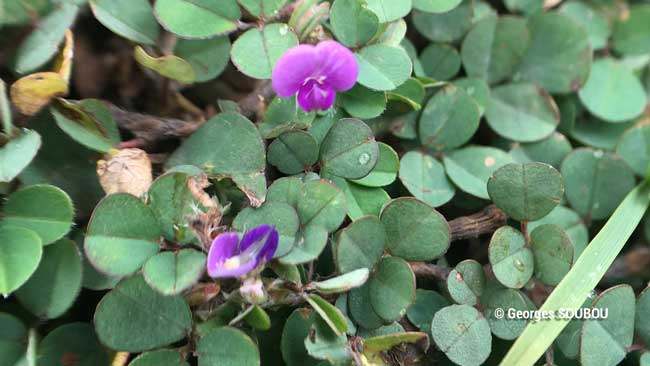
<point>634,148</point>
<point>296,329</point>
<point>72,341</point>
<point>169,66</point>
<point>463,334</point>
<point>329,313</point>
<point>171,273</point>
<point>208,57</point>
<point>349,150</point>
<point>445,27</point>
<point>522,112</point>
<point>410,93</point>
<point>595,181</point>
<point>505,299</point>
<point>16,154</point>
<point>326,345</point>
<point>559,56</point>
<point>435,6</point>
<point>282,115</point>
<point>494,47</point>
<point>321,203</point>
<point>553,253</point>
<point>263,8</point>
<point>415,230</point>
<point>512,261</point>
<point>360,245</point>
<point>342,283</point>
<point>12,339</point>
<point>308,245</point>
<point>352,22</point>
<point>598,134</point>
<point>605,341</point>
<point>642,322</point>
<point>162,357</point>
<point>122,234</point>
<point>478,89</point>
<point>574,288</point>
<point>217,346</point>
<point>526,192</point>
<point>391,288</point>
<point>131,19</point>
<point>629,36</point>
<point>427,303</point>
<point>197,18</point>
<point>551,150</point>
<point>133,317</point>
<point>572,225</point>
<point>45,209</point>
<point>39,47</point>
<point>385,343</point>
<point>255,52</point>
<point>470,167</point>
<point>293,152</point>
<point>21,251</point>
<point>466,282</point>
<point>360,308</point>
<point>285,190</point>
<point>612,92</point>
<point>227,144</point>
<point>53,288</point>
<point>448,120</point>
<point>425,178</point>
<point>361,102</point>
<point>385,170</point>
<point>258,318</point>
<point>278,214</point>
<point>389,10</point>
<point>440,61</point>
<point>88,122</point>
<point>594,22</point>
<point>383,67</point>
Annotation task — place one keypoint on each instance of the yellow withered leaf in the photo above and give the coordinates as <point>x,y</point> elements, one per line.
<point>171,66</point>
<point>32,92</point>
<point>63,63</point>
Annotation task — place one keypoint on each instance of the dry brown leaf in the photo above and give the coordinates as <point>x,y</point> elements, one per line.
<point>126,170</point>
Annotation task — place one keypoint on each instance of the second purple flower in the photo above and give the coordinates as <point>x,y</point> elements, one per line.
<point>315,74</point>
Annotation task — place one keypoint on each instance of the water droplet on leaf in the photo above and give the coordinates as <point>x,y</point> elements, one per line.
<point>364,158</point>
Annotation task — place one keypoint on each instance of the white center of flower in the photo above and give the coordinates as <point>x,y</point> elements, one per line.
<point>232,262</point>
<point>319,79</point>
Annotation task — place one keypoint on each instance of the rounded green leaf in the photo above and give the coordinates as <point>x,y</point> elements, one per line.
<point>512,261</point>
<point>551,150</point>
<point>321,203</point>
<point>255,52</point>
<point>389,10</point>
<point>228,347</point>
<point>122,234</point>
<point>197,18</point>
<point>361,102</point>
<point>471,167</point>
<point>285,189</point>
<point>263,8</point>
<point>440,61</point>
<point>208,57</point>
<point>466,282</point>
<point>630,31</point>
<point>605,340</point>
<point>427,303</point>
<point>634,148</point>
<point>89,122</point>
<point>553,252</point>
<point>162,357</point>
<point>13,338</point>
<point>478,89</point>
<point>526,192</point>
<point>572,225</point>
<point>360,245</point>
<point>448,120</point>
<point>435,6</point>
<point>170,273</point>
<point>642,321</point>
<point>349,150</point>
<point>283,114</point>
<point>596,133</point>
<point>308,245</point>
<point>72,342</point>
<point>362,200</point>
<point>595,181</point>
<point>494,47</point>
<point>391,288</point>
<point>463,334</point>
<point>227,144</point>
<point>385,171</point>
<point>445,27</point>
<point>53,288</point>
<point>130,19</point>
<point>360,308</point>
<point>505,299</point>
<point>258,318</point>
<point>352,22</point>
<point>296,329</point>
<point>45,209</point>
<point>16,154</point>
<point>383,67</point>
<point>594,22</point>
<point>559,56</point>
<point>425,178</point>
<point>293,152</point>
<point>522,112</point>
<point>278,214</point>
<point>612,92</point>
<point>133,317</point>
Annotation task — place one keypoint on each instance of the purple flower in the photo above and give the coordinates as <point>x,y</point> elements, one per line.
<point>316,73</point>
<point>229,257</point>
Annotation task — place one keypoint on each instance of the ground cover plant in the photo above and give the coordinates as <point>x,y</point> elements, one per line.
<point>324,183</point>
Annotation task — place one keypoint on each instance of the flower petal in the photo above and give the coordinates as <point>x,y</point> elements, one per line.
<point>261,241</point>
<point>338,64</point>
<point>223,247</point>
<point>293,68</point>
<point>313,96</point>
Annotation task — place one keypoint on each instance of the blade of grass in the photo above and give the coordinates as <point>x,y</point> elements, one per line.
<point>590,267</point>
<point>5,111</point>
